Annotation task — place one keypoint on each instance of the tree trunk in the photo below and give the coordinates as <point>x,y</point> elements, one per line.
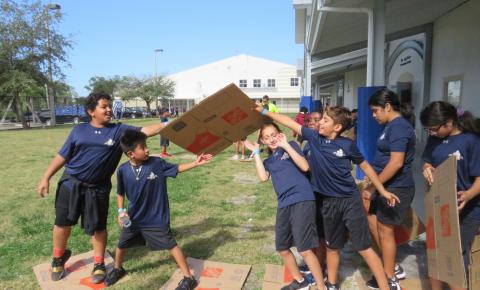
<point>18,111</point>
<point>148,107</point>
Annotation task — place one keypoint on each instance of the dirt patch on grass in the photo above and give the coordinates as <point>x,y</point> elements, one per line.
<point>245,178</point>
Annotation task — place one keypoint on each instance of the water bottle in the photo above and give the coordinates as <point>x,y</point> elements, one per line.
<point>125,219</point>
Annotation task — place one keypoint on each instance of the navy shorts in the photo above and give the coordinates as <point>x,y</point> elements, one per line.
<point>392,215</point>
<point>155,238</point>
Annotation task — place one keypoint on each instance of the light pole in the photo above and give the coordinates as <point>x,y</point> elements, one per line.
<point>50,90</point>
<point>156,77</point>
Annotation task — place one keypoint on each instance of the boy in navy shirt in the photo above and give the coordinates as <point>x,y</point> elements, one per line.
<point>142,180</point>
<point>90,155</point>
<point>330,166</point>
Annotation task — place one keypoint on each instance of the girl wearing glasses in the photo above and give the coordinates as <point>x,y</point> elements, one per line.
<point>453,132</point>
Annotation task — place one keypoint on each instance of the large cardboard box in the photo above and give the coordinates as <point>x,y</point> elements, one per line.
<point>215,123</point>
<point>445,262</point>
<point>212,275</point>
<point>78,273</point>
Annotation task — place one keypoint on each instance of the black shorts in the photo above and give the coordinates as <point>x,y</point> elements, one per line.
<point>468,229</point>
<point>164,142</point>
<point>155,238</point>
<point>61,208</point>
<point>344,217</point>
<point>295,226</point>
<point>319,217</point>
<point>392,215</point>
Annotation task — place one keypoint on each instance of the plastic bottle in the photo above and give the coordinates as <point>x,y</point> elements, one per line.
<point>125,219</point>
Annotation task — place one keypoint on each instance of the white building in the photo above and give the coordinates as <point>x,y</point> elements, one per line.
<point>255,76</point>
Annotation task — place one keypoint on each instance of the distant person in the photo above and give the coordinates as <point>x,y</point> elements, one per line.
<point>164,142</point>
<point>355,123</point>
<point>239,150</point>
<point>117,108</point>
<point>90,155</point>
<point>300,119</point>
<point>143,181</point>
<point>269,105</point>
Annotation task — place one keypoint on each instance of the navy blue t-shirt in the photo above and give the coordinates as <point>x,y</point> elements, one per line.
<point>308,156</point>
<point>466,148</point>
<point>92,154</point>
<point>397,136</point>
<point>290,184</point>
<point>148,199</point>
<point>331,164</point>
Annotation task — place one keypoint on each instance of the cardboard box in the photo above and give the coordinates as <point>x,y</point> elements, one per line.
<point>212,275</point>
<point>276,277</point>
<point>445,262</point>
<point>78,269</point>
<point>216,122</point>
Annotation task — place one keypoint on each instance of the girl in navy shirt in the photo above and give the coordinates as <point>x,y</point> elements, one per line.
<point>454,133</point>
<point>393,164</point>
<point>295,222</point>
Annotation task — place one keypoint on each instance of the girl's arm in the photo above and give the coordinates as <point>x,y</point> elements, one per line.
<point>262,174</point>
<point>465,196</point>
<point>201,159</point>
<point>298,159</point>
<point>282,119</point>
<point>391,198</point>
<point>57,162</point>
<point>394,164</point>
<point>428,170</point>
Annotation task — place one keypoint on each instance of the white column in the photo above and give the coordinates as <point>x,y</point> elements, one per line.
<point>379,43</point>
<point>307,83</point>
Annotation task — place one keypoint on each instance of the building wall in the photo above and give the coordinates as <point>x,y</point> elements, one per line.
<point>353,80</point>
<point>456,52</point>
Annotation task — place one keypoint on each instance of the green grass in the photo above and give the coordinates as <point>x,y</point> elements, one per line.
<point>206,221</point>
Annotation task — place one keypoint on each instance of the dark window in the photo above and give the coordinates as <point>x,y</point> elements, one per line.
<point>294,82</point>
<point>243,83</point>
<point>256,83</point>
<point>271,83</point>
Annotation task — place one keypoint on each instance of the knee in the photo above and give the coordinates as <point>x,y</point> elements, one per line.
<point>284,253</point>
<point>306,253</point>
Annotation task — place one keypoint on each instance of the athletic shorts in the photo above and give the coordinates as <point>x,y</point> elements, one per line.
<point>345,217</point>
<point>61,208</point>
<point>155,238</point>
<point>319,217</point>
<point>164,142</point>
<point>295,226</point>
<point>392,215</point>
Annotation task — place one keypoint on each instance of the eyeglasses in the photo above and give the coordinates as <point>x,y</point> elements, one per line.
<point>431,131</point>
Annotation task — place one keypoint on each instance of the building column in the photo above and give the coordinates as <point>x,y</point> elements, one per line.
<point>378,43</point>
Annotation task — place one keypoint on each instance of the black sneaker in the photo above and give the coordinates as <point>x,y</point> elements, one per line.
<point>114,276</point>
<point>311,281</point>
<point>58,265</point>
<point>297,286</point>
<point>394,285</point>
<point>99,272</point>
<point>304,269</point>
<point>187,283</point>
<point>330,286</point>
<point>372,283</point>
<point>399,272</point>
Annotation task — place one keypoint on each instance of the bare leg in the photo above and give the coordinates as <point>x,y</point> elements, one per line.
<point>99,243</point>
<point>181,261</point>
<point>119,253</point>
<point>60,236</point>
<point>313,264</point>
<point>333,262</point>
<point>376,267</point>
<point>321,252</point>
<point>372,224</point>
<point>291,264</point>
<point>389,248</point>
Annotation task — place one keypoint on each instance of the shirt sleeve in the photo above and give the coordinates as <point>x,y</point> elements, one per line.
<point>120,184</point>
<point>427,153</point>
<point>399,138</point>
<point>355,154</point>
<point>169,169</point>
<point>125,127</point>
<point>69,146</point>
<point>308,134</point>
<point>474,158</point>
<point>296,147</point>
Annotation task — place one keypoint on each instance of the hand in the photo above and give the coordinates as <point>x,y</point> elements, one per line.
<point>367,194</point>
<point>251,146</point>
<point>428,174</point>
<point>462,198</point>
<point>282,140</point>
<point>42,188</point>
<point>203,158</point>
<point>391,198</point>
<point>258,108</point>
<point>122,214</point>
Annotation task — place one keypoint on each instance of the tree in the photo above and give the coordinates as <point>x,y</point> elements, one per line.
<point>102,84</point>
<point>24,51</point>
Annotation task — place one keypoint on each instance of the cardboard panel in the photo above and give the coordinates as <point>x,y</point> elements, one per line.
<point>276,277</point>
<point>212,275</point>
<point>216,122</point>
<point>78,273</point>
<point>407,284</point>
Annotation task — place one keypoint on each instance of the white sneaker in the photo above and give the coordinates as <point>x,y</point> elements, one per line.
<point>243,157</point>
<point>399,272</point>
<point>234,157</point>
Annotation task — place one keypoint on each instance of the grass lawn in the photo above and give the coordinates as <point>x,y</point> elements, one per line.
<point>219,212</point>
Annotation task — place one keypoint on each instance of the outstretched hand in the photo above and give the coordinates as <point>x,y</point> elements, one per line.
<point>391,198</point>
<point>251,146</point>
<point>203,158</point>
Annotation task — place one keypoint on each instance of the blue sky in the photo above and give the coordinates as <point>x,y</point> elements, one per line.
<point>119,37</point>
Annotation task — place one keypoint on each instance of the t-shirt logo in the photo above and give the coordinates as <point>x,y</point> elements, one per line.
<point>339,153</point>
<point>457,155</point>
<point>285,156</point>
<point>152,176</point>
<point>98,132</point>
<point>382,136</point>
<point>445,141</point>
<point>110,142</point>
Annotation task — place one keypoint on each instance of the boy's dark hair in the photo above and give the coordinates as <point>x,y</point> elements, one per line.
<point>130,139</point>
<point>385,96</point>
<point>354,111</point>
<point>439,113</point>
<point>303,109</point>
<point>92,100</point>
<point>340,115</point>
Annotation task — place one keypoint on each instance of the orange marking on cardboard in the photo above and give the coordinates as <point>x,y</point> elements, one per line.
<point>287,277</point>
<point>430,234</point>
<point>211,272</point>
<point>445,220</point>
<point>234,116</point>
<point>87,281</point>
<point>202,141</point>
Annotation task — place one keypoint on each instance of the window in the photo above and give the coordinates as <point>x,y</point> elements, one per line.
<point>294,82</point>
<point>271,83</point>
<point>256,83</point>
<point>243,83</point>
<point>453,91</point>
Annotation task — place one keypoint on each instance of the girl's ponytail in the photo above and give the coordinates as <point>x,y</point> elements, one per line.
<point>439,113</point>
<point>467,122</point>
<point>385,96</point>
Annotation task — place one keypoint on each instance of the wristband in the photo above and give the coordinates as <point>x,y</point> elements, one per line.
<point>256,152</point>
<point>120,210</point>
<point>264,111</point>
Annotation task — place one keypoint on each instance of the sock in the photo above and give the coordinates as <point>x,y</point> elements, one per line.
<point>57,253</point>
<point>301,281</point>
<point>98,259</point>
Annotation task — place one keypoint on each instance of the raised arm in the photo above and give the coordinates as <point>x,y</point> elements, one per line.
<point>282,119</point>
<point>201,160</point>
<point>262,174</point>
<point>152,130</point>
<point>57,162</point>
<point>298,159</point>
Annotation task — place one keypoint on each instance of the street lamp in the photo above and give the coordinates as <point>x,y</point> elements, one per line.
<point>50,90</point>
<point>156,78</point>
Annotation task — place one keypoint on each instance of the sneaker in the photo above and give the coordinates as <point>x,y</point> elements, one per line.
<point>372,283</point>
<point>114,276</point>
<point>311,281</point>
<point>304,269</point>
<point>394,285</point>
<point>295,285</point>
<point>99,272</point>
<point>58,265</point>
<point>243,157</point>
<point>399,272</point>
<point>187,283</point>
<point>234,157</point>
<point>330,286</point>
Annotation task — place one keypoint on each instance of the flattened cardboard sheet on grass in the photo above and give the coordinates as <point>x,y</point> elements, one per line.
<point>216,122</point>
<point>78,269</point>
<point>276,277</point>
<point>406,284</point>
<point>212,275</point>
